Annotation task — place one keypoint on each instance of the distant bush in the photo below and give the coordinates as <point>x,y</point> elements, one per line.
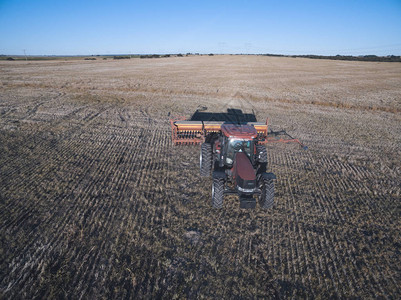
<point>150,56</point>
<point>121,57</point>
<point>92,58</point>
<point>10,58</point>
<point>179,55</point>
<point>211,54</point>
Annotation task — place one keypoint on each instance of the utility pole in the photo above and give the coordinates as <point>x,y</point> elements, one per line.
<point>26,59</point>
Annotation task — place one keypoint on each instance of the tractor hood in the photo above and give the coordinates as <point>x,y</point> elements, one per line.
<point>244,173</point>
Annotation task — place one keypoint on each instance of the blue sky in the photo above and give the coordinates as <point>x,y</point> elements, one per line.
<point>72,27</point>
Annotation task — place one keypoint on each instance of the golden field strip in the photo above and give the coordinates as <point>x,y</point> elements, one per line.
<point>96,202</point>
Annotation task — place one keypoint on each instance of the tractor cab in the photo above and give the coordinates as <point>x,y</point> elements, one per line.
<point>235,145</point>
<point>238,138</point>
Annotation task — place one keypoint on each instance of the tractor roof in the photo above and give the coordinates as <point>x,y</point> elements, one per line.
<point>239,131</point>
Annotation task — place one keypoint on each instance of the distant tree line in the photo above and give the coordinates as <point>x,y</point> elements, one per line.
<point>389,58</point>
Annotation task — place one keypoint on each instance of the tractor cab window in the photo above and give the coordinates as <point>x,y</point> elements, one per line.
<point>238,145</point>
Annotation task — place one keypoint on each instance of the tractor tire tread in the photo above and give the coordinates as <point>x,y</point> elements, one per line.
<point>262,153</point>
<point>218,193</point>
<point>267,195</point>
<point>206,160</point>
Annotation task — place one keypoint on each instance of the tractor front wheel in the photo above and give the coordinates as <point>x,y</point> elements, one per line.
<point>217,192</point>
<point>262,153</point>
<point>266,198</point>
<point>205,159</point>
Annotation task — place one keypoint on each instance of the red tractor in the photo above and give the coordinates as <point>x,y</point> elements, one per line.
<point>234,154</point>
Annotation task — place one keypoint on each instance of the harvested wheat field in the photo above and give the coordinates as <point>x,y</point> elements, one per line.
<point>96,201</point>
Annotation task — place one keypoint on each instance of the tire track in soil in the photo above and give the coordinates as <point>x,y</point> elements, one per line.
<point>34,241</point>
<point>33,106</point>
<point>89,191</point>
<point>24,216</point>
<point>324,242</point>
<point>142,175</point>
<point>146,216</point>
<point>31,140</point>
<point>294,192</point>
<point>334,211</point>
<point>33,169</point>
<point>371,216</point>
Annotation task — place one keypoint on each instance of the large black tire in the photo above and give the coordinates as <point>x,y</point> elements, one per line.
<point>266,198</point>
<point>262,153</point>
<point>217,192</point>
<point>205,159</point>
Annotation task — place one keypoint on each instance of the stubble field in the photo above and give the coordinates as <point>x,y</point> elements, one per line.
<point>96,202</point>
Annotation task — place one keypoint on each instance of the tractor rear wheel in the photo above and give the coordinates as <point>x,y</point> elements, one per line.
<point>217,192</point>
<point>205,159</point>
<point>266,198</point>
